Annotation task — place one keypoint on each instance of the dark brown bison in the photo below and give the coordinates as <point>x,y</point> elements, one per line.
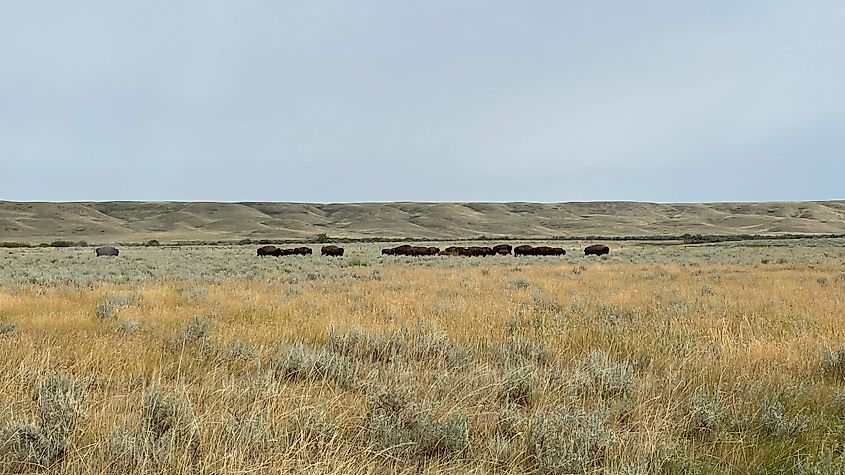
<point>106,251</point>
<point>296,251</point>
<point>548,251</point>
<point>526,250</point>
<point>502,249</point>
<point>408,250</point>
<point>472,251</point>
<point>269,251</point>
<point>523,250</point>
<point>424,251</point>
<point>333,251</point>
<point>596,250</point>
<point>482,251</point>
<point>403,250</point>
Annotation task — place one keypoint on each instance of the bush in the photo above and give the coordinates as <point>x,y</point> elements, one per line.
<point>322,238</point>
<point>13,245</point>
<point>152,243</point>
<point>62,243</point>
<point>167,431</point>
<point>303,363</point>
<point>706,414</point>
<point>403,429</point>
<point>520,350</point>
<point>773,421</point>
<point>520,283</point>
<point>609,377</point>
<point>128,325</point>
<point>518,387</point>
<point>107,308</point>
<point>196,329</point>
<point>8,329</point>
<point>834,364</point>
<point>59,404</point>
<point>569,442</point>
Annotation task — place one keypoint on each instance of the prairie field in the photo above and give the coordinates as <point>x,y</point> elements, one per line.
<point>659,358</point>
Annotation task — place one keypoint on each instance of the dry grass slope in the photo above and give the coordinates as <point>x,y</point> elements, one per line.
<point>169,221</point>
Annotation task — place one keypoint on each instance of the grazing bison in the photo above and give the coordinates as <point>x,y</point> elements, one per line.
<point>481,251</point>
<point>408,250</point>
<point>331,251</point>
<point>450,251</point>
<point>403,250</point>
<point>523,250</point>
<point>472,251</point>
<point>526,250</point>
<point>269,251</point>
<point>295,251</point>
<point>548,251</point>
<point>502,249</point>
<point>596,250</point>
<point>106,251</point>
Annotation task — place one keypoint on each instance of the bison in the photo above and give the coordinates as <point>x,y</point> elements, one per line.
<point>269,251</point>
<point>548,251</point>
<point>502,249</point>
<point>526,250</point>
<point>106,251</point>
<point>482,251</point>
<point>472,251</point>
<point>408,250</point>
<point>333,251</point>
<point>596,250</point>
<point>403,250</point>
<point>523,250</point>
<point>296,251</point>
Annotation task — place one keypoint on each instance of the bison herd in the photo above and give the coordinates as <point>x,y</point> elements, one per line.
<point>408,250</point>
<point>275,251</point>
<point>465,251</point>
<point>298,251</point>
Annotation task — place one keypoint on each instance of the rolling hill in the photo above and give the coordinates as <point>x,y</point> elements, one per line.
<point>99,222</point>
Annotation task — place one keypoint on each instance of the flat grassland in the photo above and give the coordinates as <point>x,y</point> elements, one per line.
<point>660,358</point>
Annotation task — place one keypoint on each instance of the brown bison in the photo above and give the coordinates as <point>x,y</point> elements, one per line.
<point>333,251</point>
<point>596,250</point>
<point>403,250</point>
<point>472,251</point>
<point>106,251</point>
<point>482,251</point>
<point>408,250</point>
<point>548,251</point>
<point>502,249</point>
<point>523,250</point>
<point>526,250</point>
<point>297,251</point>
<point>269,251</point>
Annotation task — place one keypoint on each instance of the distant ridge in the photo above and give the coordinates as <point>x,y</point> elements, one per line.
<point>170,221</point>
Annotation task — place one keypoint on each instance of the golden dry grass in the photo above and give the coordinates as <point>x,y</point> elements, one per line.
<point>657,368</point>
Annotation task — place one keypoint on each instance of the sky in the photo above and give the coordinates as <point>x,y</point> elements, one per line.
<point>439,100</point>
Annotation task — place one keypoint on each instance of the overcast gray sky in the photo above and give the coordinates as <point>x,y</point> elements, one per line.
<point>452,100</point>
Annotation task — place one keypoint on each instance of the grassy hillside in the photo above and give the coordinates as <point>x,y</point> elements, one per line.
<point>115,221</point>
